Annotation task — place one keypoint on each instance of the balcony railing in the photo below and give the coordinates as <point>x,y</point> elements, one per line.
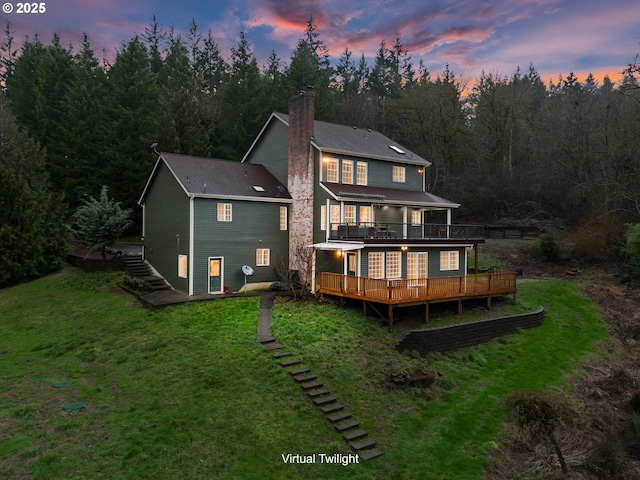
<point>406,231</point>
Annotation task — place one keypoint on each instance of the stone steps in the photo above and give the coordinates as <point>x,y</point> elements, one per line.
<point>328,404</point>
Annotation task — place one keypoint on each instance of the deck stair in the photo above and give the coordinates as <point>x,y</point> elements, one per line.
<point>139,268</point>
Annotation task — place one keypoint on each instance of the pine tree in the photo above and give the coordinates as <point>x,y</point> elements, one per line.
<point>33,237</point>
<point>100,222</point>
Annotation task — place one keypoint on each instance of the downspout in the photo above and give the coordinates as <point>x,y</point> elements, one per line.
<point>191,243</point>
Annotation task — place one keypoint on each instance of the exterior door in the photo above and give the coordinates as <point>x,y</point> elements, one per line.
<point>216,270</point>
<point>352,263</point>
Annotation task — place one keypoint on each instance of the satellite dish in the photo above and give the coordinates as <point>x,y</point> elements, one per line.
<point>247,270</point>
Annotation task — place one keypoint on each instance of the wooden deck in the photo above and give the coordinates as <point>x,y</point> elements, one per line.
<point>421,291</point>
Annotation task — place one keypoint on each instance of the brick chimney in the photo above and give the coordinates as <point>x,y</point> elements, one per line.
<point>301,179</point>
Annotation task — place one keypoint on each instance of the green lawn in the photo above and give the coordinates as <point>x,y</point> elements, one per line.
<point>186,392</point>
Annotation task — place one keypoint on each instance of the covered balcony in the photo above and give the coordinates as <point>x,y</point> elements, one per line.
<point>406,231</point>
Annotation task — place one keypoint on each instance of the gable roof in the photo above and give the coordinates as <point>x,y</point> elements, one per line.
<point>211,177</point>
<point>352,141</point>
<point>341,191</point>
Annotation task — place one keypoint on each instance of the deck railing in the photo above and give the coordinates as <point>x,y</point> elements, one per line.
<point>419,289</point>
<point>406,231</point>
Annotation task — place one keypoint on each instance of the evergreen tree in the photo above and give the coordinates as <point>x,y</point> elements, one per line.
<point>100,222</point>
<point>8,56</point>
<point>244,107</point>
<point>132,111</point>
<point>154,37</point>
<point>33,237</point>
<point>179,114</point>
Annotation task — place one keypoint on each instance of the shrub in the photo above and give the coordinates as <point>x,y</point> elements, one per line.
<point>551,248</point>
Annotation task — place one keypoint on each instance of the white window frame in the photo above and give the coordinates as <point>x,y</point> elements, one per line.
<point>225,212</point>
<point>334,213</point>
<point>366,218</point>
<point>183,266</point>
<point>362,173</point>
<point>323,217</point>
<point>284,218</point>
<point>263,257</point>
<point>350,214</point>
<point>333,170</point>
<point>393,267</point>
<point>347,172</point>
<point>376,265</point>
<point>417,265</point>
<point>449,260</point>
<point>398,174</point>
<point>416,217</point>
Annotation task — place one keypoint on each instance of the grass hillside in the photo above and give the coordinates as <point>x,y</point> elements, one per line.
<point>186,392</point>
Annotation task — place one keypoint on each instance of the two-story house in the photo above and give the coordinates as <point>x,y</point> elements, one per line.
<point>345,207</point>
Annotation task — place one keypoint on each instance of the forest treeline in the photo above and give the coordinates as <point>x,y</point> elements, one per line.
<point>509,148</point>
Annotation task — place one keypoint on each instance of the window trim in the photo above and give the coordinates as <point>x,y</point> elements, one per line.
<point>333,167</point>
<point>347,174</point>
<point>414,214</point>
<point>381,267</point>
<point>223,210</point>
<point>364,174</point>
<point>284,218</point>
<point>448,258</point>
<point>393,260</point>
<point>263,257</point>
<point>398,174</point>
<point>183,268</point>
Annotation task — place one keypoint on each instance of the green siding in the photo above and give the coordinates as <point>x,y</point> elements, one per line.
<point>272,150</point>
<point>254,225</point>
<point>166,226</point>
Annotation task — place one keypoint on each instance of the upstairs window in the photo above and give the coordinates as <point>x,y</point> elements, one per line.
<point>350,214</point>
<point>347,171</point>
<point>416,217</point>
<point>365,215</point>
<point>224,212</point>
<point>398,174</point>
<point>334,213</point>
<point>361,173</point>
<point>332,170</point>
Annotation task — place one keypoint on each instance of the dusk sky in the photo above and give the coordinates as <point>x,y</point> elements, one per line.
<point>556,36</point>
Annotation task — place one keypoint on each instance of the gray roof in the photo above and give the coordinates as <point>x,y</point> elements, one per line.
<point>358,142</point>
<point>200,176</point>
<point>394,196</point>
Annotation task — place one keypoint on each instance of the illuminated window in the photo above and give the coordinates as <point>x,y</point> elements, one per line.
<point>398,174</point>
<point>323,217</point>
<point>365,215</point>
<point>416,217</point>
<point>349,214</point>
<point>224,212</point>
<point>332,170</point>
<point>182,266</point>
<point>394,267</point>
<point>361,173</point>
<point>283,218</point>
<point>263,257</point>
<point>449,260</point>
<point>334,212</point>
<point>347,171</point>
<point>417,265</point>
<point>376,264</point>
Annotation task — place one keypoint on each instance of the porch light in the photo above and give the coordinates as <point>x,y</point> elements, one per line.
<point>404,248</point>
<point>340,253</point>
